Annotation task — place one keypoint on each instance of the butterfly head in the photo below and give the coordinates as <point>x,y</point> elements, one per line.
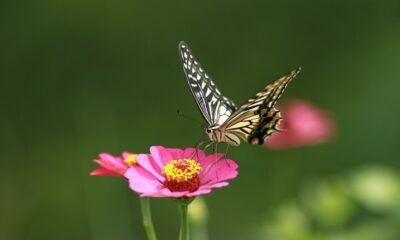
<point>211,131</point>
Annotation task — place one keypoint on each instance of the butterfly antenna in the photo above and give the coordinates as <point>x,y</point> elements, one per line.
<point>180,114</point>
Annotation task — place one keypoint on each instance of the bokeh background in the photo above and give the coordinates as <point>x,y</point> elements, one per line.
<point>83,77</point>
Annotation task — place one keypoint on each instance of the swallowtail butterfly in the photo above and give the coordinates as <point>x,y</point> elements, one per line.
<point>253,121</point>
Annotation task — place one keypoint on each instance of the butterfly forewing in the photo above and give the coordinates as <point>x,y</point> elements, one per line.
<point>215,108</point>
<point>258,118</point>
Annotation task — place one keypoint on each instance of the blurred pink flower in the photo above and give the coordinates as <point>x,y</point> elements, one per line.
<point>302,124</point>
<point>114,166</point>
<point>176,173</point>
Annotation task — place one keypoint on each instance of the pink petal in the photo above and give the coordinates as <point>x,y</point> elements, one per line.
<point>161,155</point>
<point>176,153</point>
<point>152,194</point>
<point>209,161</point>
<point>205,189</point>
<point>167,193</point>
<point>193,153</point>
<point>199,192</point>
<point>141,181</point>
<point>148,163</point>
<point>223,170</point>
<point>126,154</point>
<point>164,192</point>
<point>217,185</point>
<point>117,168</point>
<point>111,163</point>
<point>111,159</point>
<point>104,172</point>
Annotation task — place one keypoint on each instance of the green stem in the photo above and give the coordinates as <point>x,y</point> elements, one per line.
<point>184,232</point>
<point>147,222</point>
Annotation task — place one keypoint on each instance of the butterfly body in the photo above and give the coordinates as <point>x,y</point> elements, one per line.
<point>253,121</point>
<point>218,134</point>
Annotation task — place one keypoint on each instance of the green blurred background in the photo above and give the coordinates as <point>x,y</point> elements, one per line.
<point>83,77</point>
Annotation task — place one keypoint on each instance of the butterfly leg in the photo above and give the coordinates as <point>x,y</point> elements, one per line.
<point>216,161</point>
<point>225,155</point>
<point>213,162</point>
<point>199,145</point>
<point>215,148</point>
<point>209,144</point>
<point>226,150</point>
<point>203,145</point>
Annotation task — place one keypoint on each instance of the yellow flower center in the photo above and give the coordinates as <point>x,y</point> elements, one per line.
<point>182,175</point>
<point>182,169</point>
<point>131,160</point>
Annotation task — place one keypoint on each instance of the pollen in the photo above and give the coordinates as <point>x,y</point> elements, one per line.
<point>131,160</point>
<point>182,175</point>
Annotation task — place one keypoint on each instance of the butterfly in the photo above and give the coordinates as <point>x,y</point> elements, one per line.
<point>253,121</point>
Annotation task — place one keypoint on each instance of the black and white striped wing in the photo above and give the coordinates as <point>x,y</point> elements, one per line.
<point>214,107</point>
<point>258,118</point>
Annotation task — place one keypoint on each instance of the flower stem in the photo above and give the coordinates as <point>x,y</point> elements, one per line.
<point>183,207</point>
<point>147,222</point>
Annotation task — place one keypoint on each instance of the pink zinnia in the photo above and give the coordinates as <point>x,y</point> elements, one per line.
<point>302,124</point>
<point>176,173</point>
<point>114,166</point>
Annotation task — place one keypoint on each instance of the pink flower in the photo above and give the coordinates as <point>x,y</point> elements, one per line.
<point>114,166</point>
<point>302,124</point>
<point>176,173</point>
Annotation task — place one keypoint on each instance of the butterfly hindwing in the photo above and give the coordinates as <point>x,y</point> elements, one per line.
<point>258,118</point>
<point>214,107</point>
